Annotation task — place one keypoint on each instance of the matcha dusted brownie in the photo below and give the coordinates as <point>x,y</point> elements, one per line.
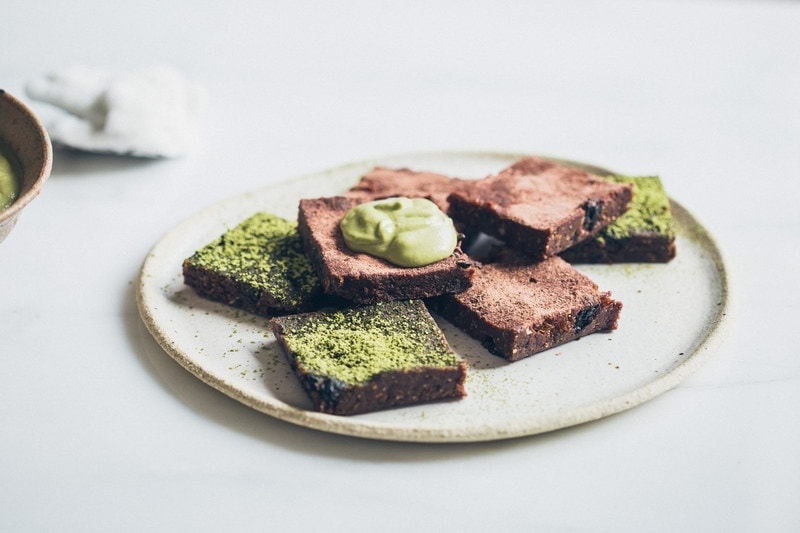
<point>643,234</point>
<point>368,358</point>
<point>540,207</point>
<point>363,277</point>
<point>516,308</point>
<point>259,266</point>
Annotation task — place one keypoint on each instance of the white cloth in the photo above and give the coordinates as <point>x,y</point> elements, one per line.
<point>152,112</point>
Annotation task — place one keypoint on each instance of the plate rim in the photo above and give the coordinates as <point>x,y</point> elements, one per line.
<point>376,430</point>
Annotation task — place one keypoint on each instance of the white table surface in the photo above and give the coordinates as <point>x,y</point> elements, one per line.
<point>101,431</point>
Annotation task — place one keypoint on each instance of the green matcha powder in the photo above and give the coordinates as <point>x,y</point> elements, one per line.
<point>353,345</point>
<point>649,210</point>
<point>265,252</point>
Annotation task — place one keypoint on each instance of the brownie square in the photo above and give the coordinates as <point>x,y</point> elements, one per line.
<point>516,308</point>
<point>368,358</point>
<point>363,278</point>
<point>540,207</point>
<point>259,266</point>
<point>645,233</point>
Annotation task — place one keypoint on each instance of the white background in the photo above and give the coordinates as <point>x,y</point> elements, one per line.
<point>101,431</point>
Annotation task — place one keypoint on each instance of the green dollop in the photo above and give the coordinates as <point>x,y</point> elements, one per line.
<point>9,183</point>
<point>408,232</point>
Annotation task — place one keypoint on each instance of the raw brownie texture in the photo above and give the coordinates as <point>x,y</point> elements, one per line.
<point>259,266</point>
<point>363,278</point>
<point>369,358</point>
<point>383,182</point>
<point>540,207</point>
<point>516,308</point>
<point>643,234</point>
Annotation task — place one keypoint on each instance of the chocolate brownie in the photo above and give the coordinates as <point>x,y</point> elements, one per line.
<point>382,182</point>
<point>259,266</point>
<point>643,234</point>
<point>516,308</point>
<point>366,279</point>
<point>540,207</point>
<point>368,358</point>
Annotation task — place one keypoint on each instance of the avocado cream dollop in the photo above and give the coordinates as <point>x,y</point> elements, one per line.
<point>408,232</point>
<point>9,184</point>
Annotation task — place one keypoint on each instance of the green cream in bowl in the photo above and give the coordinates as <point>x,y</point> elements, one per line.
<point>26,158</point>
<point>9,182</point>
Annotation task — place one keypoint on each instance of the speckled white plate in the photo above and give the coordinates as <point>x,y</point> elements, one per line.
<point>672,315</point>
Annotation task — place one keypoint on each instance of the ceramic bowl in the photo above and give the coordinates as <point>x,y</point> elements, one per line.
<point>24,139</point>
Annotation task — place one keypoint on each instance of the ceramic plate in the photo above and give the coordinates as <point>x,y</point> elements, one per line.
<point>672,314</point>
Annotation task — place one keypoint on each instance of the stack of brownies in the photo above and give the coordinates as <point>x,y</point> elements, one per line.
<point>357,329</point>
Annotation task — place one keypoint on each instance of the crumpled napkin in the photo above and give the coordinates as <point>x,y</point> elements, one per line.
<point>153,112</point>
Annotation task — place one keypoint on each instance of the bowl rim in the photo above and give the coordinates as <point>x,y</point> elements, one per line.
<point>47,156</point>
